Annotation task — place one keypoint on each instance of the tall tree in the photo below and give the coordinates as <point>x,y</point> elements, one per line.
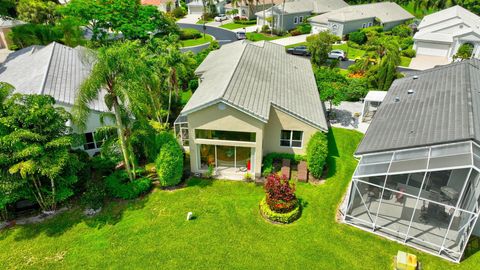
<point>331,85</point>
<point>319,46</point>
<point>37,11</point>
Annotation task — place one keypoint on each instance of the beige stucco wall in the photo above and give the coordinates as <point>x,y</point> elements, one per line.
<point>281,121</point>
<point>228,119</point>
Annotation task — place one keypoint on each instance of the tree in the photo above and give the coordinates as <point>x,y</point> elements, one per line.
<point>35,149</point>
<point>127,18</point>
<point>37,11</point>
<point>320,45</point>
<point>464,52</point>
<point>7,9</point>
<point>387,70</point>
<point>331,85</point>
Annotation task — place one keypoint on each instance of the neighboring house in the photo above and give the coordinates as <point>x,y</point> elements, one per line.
<point>418,180</point>
<point>295,12</point>
<point>162,5</point>
<point>253,99</point>
<point>442,33</point>
<point>5,27</point>
<point>352,18</point>
<point>196,6</point>
<point>245,11</point>
<point>58,71</point>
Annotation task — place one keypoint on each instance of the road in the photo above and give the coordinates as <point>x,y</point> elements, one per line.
<point>223,36</point>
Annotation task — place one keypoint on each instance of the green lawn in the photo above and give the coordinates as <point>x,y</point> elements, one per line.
<point>405,61</point>
<point>202,21</point>
<point>260,36</point>
<point>232,25</point>
<point>352,53</point>
<point>228,232</point>
<point>195,42</point>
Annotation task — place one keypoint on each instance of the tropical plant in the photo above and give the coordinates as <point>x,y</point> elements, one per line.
<point>464,52</point>
<point>319,45</point>
<point>280,194</point>
<point>317,151</point>
<point>37,11</point>
<point>169,163</point>
<point>357,37</point>
<point>331,85</point>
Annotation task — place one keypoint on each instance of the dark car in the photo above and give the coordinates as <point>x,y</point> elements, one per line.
<point>299,50</point>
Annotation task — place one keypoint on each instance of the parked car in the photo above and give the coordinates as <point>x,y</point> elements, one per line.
<point>338,54</point>
<point>220,18</point>
<point>241,35</point>
<point>299,50</point>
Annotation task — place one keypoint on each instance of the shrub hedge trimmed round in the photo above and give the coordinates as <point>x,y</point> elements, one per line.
<point>189,33</point>
<point>357,37</point>
<point>169,163</point>
<point>317,151</point>
<point>284,218</point>
<point>119,186</point>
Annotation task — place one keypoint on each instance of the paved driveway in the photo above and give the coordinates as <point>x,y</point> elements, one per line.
<point>3,54</point>
<point>291,40</point>
<point>422,62</point>
<point>190,18</point>
<point>223,36</point>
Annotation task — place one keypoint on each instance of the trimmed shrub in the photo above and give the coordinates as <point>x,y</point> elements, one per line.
<point>189,33</point>
<point>406,43</point>
<point>119,186</point>
<point>265,28</point>
<point>269,158</point>
<point>304,28</point>
<point>357,37</point>
<point>295,32</point>
<point>410,53</point>
<point>402,31</point>
<point>95,194</point>
<point>169,163</point>
<point>244,21</point>
<point>317,151</point>
<point>280,194</point>
<point>280,217</point>
<point>179,12</point>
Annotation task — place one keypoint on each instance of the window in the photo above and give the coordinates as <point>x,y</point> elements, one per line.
<point>370,24</point>
<point>301,19</point>
<point>225,135</point>
<point>89,141</point>
<point>291,138</point>
<point>295,20</point>
<point>364,25</point>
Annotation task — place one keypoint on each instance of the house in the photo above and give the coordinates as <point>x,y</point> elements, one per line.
<point>58,71</point>
<point>196,6</point>
<point>288,15</point>
<point>418,177</point>
<point>162,5</point>
<point>245,11</point>
<point>442,33</point>
<point>253,99</point>
<point>352,18</point>
<point>5,27</point>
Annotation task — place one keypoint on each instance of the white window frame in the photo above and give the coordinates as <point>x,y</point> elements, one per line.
<point>291,140</point>
<point>295,20</point>
<point>300,19</point>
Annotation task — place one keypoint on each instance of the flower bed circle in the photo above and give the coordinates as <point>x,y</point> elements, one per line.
<point>279,218</point>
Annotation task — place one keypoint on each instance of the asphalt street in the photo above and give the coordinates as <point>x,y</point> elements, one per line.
<point>223,36</point>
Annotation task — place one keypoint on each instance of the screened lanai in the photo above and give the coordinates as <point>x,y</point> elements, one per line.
<point>425,197</point>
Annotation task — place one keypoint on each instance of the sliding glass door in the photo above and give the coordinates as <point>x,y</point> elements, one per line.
<point>222,156</point>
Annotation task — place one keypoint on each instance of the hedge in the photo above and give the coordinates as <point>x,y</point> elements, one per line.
<point>269,158</point>
<point>280,217</point>
<point>317,151</point>
<point>410,53</point>
<point>189,33</point>
<point>357,37</point>
<point>119,186</point>
<point>169,163</point>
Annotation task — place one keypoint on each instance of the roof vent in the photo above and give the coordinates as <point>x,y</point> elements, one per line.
<point>415,77</point>
<point>410,91</point>
<point>397,99</point>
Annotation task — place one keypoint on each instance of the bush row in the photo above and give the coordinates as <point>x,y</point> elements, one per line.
<point>317,151</point>
<point>119,186</point>
<point>269,158</point>
<point>189,33</point>
<point>280,217</point>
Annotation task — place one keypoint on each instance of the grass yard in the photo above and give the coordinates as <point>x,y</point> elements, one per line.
<point>405,61</point>
<point>260,36</point>
<point>197,41</point>
<point>227,233</point>
<point>233,25</point>
<point>352,53</point>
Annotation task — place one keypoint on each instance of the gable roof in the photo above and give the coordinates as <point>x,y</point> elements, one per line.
<point>432,25</point>
<point>252,77</point>
<point>299,6</point>
<point>55,70</point>
<point>384,11</point>
<point>445,107</point>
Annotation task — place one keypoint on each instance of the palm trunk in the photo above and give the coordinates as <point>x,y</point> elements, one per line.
<point>123,144</point>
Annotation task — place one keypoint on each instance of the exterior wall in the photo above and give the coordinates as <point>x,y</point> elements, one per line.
<point>281,121</point>
<point>288,20</point>
<point>3,38</point>
<point>229,119</point>
<point>390,25</point>
<point>348,27</point>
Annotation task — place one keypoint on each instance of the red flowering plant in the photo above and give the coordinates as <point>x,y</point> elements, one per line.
<point>280,193</point>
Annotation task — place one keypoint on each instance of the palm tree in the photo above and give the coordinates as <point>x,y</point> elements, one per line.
<point>112,77</point>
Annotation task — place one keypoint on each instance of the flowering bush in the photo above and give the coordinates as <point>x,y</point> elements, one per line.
<point>280,194</point>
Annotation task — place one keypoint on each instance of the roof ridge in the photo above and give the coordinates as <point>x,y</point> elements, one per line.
<point>44,81</point>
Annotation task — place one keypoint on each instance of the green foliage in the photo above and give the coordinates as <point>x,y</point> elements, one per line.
<point>357,89</point>
<point>94,195</point>
<point>317,151</point>
<point>410,53</point>
<point>331,85</point>
<point>119,186</point>
<point>271,157</point>
<point>357,37</point>
<point>465,51</point>
<point>37,11</point>
<point>7,9</point>
<point>406,43</point>
<point>169,163</point>
<point>179,12</point>
<point>26,35</point>
<point>280,217</point>
<point>304,28</point>
<point>245,21</point>
<point>402,31</point>
<point>34,148</point>
<point>320,45</point>
<point>189,33</point>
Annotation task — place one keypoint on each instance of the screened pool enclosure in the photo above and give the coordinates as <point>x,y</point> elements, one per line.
<point>425,197</point>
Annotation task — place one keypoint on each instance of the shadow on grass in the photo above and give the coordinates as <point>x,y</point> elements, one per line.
<point>333,154</point>
<point>199,182</point>
<point>111,214</point>
<point>473,247</point>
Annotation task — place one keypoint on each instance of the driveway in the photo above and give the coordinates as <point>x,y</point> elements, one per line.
<point>422,62</point>
<point>3,54</point>
<point>190,18</point>
<point>291,40</point>
<point>223,36</point>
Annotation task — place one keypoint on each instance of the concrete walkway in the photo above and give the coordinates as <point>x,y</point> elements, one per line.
<point>190,18</point>
<point>291,40</point>
<point>3,54</point>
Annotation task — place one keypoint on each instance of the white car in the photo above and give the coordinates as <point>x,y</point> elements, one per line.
<point>241,35</point>
<point>338,54</point>
<point>221,18</point>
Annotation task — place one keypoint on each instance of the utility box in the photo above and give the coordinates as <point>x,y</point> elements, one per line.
<point>405,261</point>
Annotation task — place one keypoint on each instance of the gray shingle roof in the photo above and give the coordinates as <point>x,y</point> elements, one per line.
<point>445,107</point>
<point>55,70</point>
<point>299,6</point>
<point>252,77</point>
